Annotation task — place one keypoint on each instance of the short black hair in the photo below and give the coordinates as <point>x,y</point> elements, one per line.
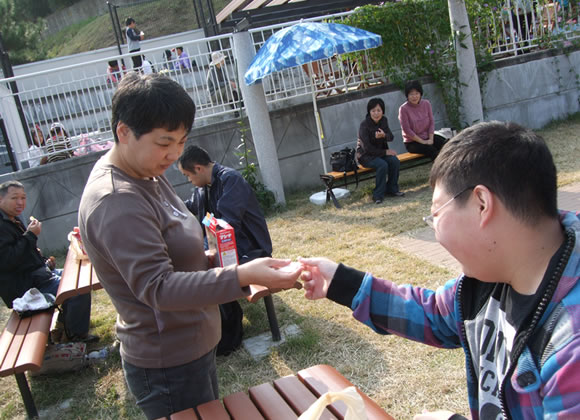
<point>194,155</point>
<point>512,161</point>
<point>114,63</point>
<point>413,84</point>
<point>147,102</point>
<point>5,186</point>
<point>129,21</point>
<point>373,103</point>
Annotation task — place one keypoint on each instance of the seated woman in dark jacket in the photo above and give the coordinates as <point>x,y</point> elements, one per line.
<point>372,151</point>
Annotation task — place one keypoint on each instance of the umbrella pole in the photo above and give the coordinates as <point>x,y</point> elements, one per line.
<point>317,117</point>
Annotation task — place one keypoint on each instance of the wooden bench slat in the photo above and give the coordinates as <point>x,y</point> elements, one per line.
<point>69,279</point>
<point>188,414</point>
<point>78,277</point>
<point>323,378</point>
<point>23,343</point>
<point>298,396</point>
<point>213,410</point>
<point>85,279</point>
<point>6,341</point>
<point>270,403</point>
<point>240,407</point>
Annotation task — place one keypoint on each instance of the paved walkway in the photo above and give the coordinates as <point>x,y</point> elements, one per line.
<point>423,244</point>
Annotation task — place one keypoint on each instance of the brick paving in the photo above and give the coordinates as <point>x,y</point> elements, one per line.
<point>422,242</point>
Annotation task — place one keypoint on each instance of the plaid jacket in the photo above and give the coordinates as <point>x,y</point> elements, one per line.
<point>544,382</point>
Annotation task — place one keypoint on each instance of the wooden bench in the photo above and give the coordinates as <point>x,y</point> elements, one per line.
<point>285,399</point>
<point>408,160</point>
<point>22,346</point>
<point>23,341</point>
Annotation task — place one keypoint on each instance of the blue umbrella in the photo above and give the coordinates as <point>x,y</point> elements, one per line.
<point>304,43</point>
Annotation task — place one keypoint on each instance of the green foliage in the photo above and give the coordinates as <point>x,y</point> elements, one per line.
<point>20,37</point>
<point>249,171</point>
<point>416,42</point>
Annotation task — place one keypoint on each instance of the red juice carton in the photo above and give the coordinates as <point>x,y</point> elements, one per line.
<point>221,238</point>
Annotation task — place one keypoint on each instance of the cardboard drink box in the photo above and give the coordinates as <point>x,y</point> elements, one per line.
<point>221,238</point>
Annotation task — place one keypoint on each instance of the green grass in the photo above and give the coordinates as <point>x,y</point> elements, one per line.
<point>402,376</point>
<point>156,19</point>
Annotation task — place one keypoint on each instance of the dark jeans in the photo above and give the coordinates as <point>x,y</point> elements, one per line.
<point>137,59</point>
<point>76,311</point>
<point>431,150</point>
<point>163,391</point>
<point>385,165</point>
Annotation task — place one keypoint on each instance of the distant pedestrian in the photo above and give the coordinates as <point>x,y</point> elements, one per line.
<point>114,72</point>
<point>169,63</point>
<point>133,41</point>
<point>146,66</point>
<point>183,63</point>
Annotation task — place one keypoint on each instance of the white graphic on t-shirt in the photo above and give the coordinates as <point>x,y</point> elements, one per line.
<point>490,337</point>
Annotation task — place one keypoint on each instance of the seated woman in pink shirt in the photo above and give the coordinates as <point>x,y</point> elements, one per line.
<point>416,118</point>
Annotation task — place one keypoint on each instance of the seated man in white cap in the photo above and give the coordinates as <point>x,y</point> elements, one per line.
<point>221,89</point>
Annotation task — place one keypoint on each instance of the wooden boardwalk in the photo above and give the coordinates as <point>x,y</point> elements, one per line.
<point>422,242</point>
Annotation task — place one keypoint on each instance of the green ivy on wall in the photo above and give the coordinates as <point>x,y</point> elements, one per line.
<point>416,42</point>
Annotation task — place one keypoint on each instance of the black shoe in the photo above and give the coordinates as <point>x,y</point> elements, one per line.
<point>84,338</point>
<point>378,201</point>
<point>396,194</point>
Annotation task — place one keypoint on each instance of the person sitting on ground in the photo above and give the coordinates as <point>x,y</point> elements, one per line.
<point>22,265</point>
<point>58,145</point>
<point>221,89</point>
<point>417,124</point>
<point>183,59</point>
<point>372,151</point>
<point>514,310</point>
<point>36,148</point>
<point>114,72</point>
<point>148,252</point>
<point>224,192</point>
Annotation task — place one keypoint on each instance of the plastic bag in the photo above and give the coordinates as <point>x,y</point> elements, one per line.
<point>64,357</point>
<point>76,244</point>
<point>355,405</point>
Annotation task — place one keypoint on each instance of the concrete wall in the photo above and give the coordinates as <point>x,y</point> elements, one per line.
<point>528,90</point>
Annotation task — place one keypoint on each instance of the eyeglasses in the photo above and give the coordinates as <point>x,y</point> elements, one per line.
<point>429,219</point>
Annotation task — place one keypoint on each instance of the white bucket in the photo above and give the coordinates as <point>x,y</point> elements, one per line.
<point>319,198</point>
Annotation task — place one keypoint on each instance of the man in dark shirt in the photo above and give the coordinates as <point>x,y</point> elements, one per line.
<point>225,193</point>
<point>23,267</point>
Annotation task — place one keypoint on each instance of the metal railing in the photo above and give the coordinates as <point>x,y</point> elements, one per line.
<point>524,25</point>
<point>79,96</point>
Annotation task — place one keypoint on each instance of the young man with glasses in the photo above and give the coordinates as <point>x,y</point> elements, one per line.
<point>513,309</point>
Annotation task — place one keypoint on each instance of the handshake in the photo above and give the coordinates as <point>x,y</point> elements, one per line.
<point>315,273</point>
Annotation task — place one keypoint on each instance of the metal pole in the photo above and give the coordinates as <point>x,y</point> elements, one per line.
<point>199,25</point>
<point>213,22</point>
<point>317,116</point>
<point>205,31</point>
<point>8,72</point>
<point>116,29</point>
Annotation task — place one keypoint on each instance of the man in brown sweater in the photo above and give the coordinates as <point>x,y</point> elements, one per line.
<point>147,249</point>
